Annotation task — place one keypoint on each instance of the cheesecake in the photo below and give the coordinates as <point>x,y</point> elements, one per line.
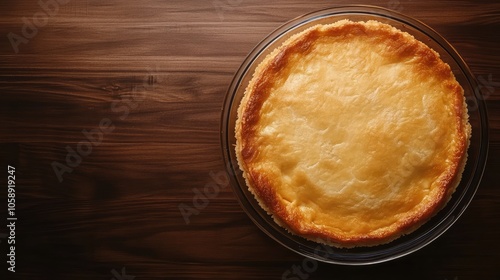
<point>352,134</point>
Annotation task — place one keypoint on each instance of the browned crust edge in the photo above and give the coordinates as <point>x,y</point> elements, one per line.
<point>258,90</point>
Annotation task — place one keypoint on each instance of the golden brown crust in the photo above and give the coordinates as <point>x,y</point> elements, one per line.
<point>264,171</point>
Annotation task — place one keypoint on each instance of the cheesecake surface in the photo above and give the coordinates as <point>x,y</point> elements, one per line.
<point>352,133</point>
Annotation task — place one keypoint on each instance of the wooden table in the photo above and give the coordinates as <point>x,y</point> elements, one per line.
<point>110,112</point>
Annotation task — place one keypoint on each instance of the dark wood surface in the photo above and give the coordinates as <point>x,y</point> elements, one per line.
<point>151,77</point>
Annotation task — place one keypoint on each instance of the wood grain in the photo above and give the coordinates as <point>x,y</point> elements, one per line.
<point>157,72</point>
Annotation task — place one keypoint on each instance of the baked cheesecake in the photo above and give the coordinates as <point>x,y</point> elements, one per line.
<point>352,133</point>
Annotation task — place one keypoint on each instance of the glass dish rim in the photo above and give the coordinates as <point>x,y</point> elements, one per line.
<point>368,10</point>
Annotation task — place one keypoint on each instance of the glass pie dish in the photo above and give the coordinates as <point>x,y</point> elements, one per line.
<point>471,177</point>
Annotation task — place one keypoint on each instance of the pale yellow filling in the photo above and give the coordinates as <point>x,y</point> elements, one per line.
<point>354,139</point>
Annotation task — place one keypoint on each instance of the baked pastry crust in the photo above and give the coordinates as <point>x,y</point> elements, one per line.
<point>352,133</point>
